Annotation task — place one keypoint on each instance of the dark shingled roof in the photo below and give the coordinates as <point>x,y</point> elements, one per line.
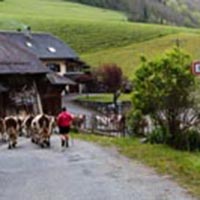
<point>56,79</point>
<point>14,59</point>
<point>45,46</point>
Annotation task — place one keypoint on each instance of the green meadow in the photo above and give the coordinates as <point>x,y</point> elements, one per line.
<point>98,35</point>
<point>129,56</point>
<point>104,97</point>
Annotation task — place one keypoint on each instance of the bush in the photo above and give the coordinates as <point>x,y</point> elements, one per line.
<point>158,136</point>
<point>135,123</point>
<point>189,141</point>
<point>164,90</point>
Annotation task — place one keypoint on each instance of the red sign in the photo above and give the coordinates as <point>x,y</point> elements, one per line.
<point>196,68</point>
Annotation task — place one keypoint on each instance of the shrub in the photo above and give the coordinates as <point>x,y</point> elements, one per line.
<point>189,140</point>
<point>164,90</point>
<point>134,123</point>
<point>158,136</point>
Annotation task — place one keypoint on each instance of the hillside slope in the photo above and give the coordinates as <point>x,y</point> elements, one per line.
<point>98,35</point>
<point>179,12</point>
<point>129,56</point>
<point>87,29</point>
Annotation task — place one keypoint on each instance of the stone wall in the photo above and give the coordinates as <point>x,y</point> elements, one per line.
<point>103,106</point>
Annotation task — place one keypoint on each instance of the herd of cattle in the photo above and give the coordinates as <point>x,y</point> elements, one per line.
<point>39,128</point>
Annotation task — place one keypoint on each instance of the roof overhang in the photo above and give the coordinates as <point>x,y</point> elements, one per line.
<point>56,79</point>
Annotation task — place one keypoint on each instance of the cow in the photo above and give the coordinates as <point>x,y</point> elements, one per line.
<point>119,122</point>
<point>112,124</point>
<point>20,120</point>
<point>42,126</point>
<point>79,121</point>
<point>102,122</point>
<point>12,128</point>
<point>26,125</point>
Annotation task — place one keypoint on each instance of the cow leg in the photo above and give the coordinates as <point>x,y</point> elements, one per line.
<point>42,145</point>
<point>36,137</point>
<point>48,142</point>
<point>28,133</point>
<point>9,143</point>
<point>41,140</point>
<point>14,144</point>
<point>14,140</point>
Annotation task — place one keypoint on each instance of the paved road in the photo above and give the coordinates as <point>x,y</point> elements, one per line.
<point>75,108</point>
<point>82,172</point>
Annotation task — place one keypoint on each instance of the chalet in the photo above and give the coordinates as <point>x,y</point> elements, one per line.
<point>34,69</point>
<point>26,84</point>
<point>20,73</point>
<point>53,53</point>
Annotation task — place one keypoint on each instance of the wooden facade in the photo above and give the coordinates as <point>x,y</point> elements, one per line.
<point>51,98</point>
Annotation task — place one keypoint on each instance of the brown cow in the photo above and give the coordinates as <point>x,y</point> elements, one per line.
<point>79,121</point>
<point>11,128</point>
<point>42,127</point>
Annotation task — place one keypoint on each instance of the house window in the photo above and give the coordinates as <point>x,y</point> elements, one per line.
<point>54,67</point>
<point>73,67</point>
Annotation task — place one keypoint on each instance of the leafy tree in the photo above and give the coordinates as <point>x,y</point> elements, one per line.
<point>111,75</point>
<point>163,90</point>
<point>110,79</point>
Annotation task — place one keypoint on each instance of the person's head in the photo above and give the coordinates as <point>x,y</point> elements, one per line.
<point>64,109</point>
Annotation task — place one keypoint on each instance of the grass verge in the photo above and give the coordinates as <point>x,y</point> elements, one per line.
<point>104,97</point>
<point>184,167</point>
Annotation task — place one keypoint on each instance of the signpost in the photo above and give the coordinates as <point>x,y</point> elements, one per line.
<point>196,68</point>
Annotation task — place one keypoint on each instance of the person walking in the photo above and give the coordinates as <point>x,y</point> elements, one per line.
<point>64,121</point>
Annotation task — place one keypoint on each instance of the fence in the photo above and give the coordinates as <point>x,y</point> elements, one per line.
<point>113,125</point>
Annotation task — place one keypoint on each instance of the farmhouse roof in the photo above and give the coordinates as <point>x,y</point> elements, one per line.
<point>14,59</point>
<point>44,45</point>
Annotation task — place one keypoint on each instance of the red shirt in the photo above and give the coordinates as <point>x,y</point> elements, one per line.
<point>64,119</point>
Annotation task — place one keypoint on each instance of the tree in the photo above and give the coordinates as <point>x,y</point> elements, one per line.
<point>111,76</point>
<point>163,90</point>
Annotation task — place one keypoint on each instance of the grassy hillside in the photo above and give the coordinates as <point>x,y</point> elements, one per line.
<point>99,35</point>
<point>179,12</point>
<point>129,57</point>
<point>87,29</point>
